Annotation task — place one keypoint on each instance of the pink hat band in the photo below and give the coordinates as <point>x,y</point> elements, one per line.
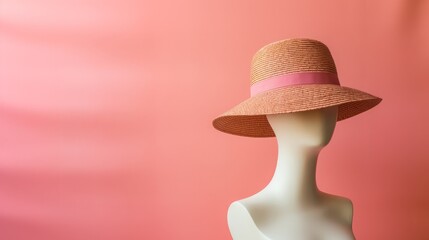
<point>299,78</point>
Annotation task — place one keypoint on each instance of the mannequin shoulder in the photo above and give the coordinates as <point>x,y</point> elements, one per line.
<point>346,209</point>
<point>241,223</point>
<point>239,216</point>
<point>342,206</point>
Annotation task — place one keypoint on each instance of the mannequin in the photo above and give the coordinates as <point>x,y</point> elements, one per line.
<point>291,207</point>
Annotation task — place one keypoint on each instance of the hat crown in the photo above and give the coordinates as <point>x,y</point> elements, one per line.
<point>291,56</point>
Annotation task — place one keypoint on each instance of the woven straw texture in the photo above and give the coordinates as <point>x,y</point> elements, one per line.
<point>248,118</point>
<point>291,56</point>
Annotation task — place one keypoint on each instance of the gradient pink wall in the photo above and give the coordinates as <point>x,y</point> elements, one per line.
<point>106,110</point>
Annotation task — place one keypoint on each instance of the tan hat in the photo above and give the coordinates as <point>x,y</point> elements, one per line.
<point>291,75</point>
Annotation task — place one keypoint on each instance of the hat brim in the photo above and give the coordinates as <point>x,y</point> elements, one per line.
<point>248,118</point>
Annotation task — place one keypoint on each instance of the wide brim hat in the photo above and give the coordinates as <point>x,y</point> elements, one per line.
<point>291,75</point>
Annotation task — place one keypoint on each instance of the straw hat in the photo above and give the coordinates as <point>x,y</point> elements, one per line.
<point>291,75</point>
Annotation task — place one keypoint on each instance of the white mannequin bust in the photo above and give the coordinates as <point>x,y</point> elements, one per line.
<point>291,207</point>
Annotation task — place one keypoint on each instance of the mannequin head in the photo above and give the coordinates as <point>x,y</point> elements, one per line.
<point>312,128</point>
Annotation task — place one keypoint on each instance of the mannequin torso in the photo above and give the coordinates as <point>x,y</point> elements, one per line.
<point>291,207</point>
<point>254,219</point>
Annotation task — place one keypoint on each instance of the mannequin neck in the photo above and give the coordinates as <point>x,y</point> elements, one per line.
<point>294,180</point>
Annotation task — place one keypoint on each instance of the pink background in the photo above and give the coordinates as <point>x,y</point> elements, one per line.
<point>106,110</point>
